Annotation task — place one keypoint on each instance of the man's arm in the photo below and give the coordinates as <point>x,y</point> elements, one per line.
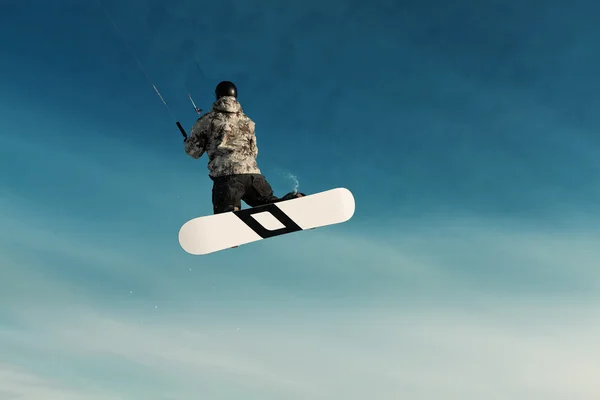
<point>195,144</point>
<point>251,127</point>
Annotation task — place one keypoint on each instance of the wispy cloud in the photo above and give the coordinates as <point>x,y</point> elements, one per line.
<point>17,384</point>
<point>517,351</point>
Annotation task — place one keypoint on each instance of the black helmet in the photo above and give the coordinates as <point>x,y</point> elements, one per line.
<point>226,88</point>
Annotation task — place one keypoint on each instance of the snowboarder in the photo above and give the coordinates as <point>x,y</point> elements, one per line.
<point>226,134</point>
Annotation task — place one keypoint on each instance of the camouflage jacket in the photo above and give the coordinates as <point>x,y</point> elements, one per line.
<point>226,134</point>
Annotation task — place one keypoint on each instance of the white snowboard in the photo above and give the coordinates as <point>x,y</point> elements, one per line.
<point>208,234</point>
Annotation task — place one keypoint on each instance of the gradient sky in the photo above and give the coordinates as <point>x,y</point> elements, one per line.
<point>468,132</point>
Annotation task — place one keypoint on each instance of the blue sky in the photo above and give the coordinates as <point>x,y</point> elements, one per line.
<point>468,133</point>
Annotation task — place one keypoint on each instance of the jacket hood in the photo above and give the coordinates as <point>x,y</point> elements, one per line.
<point>227,104</point>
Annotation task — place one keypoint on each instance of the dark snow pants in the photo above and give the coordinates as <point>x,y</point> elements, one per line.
<point>229,191</point>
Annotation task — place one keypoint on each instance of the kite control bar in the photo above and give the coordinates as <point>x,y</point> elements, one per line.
<point>181,130</point>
